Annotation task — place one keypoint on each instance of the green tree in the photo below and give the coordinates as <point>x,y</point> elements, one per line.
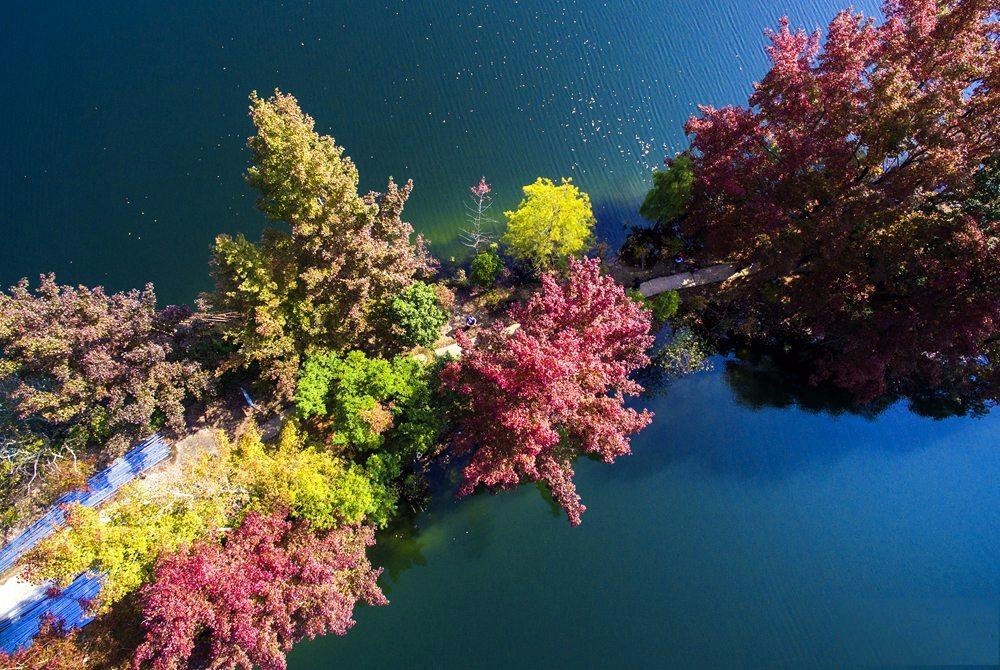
<point>124,540</point>
<point>415,316</point>
<point>314,287</point>
<point>662,306</point>
<point>365,400</point>
<point>670,195</point>
<point>552,223</point>
<point>381,414</point>
<point>486,267</point>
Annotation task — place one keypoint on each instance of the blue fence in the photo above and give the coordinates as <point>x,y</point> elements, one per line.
<point>100,487</point>
<point>68,606</point>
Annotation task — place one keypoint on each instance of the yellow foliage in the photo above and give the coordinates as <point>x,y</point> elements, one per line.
<point>552,223</point>
<point>209,493</point>
<point>309,482</point>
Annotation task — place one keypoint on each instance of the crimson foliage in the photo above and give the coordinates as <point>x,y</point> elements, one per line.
<point>530,402</point>
<point>844,188</point>
<point>243,604</point>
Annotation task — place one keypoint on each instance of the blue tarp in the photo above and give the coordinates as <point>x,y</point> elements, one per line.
<point>68,606</point>
<point>100,487</point>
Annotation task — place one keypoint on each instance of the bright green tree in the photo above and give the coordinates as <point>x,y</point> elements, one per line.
<point>381,414</point>
<point>552,223</point>
<point>415,317</point>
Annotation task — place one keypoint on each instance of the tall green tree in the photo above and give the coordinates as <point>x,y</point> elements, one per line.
<point>552,223</point>
<point>315,286</point>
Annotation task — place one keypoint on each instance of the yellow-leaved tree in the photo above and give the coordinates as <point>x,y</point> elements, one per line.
<point>552,223</point>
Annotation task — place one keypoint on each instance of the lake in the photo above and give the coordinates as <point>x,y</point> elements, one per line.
<point>751,527</point>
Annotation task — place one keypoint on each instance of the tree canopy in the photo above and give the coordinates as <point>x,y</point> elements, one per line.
<point>243,604</point>
<point>530,402</point>
<point>414,316</point>
<point>316,285</point>
<point>552,223</point>
<point>671,192</point>
<point>81,368</point>
<point>383,415</point>
<point>855,189</point>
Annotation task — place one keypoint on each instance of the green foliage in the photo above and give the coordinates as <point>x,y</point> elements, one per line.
<point>671,193</point>
<point>213,492</point>
<point>295,169</point>
<point>664,305</point>
<point>486,267</point>
<point>636,294</point>
<point>385,413</point>
<point>985,199</point>
<point>552,223</point>
<point>367,400</point>
<point>416,316</point>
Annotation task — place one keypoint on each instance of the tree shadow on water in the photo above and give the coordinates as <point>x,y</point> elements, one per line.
<point>760,379</point>
<point>397,549</point>
<point>760,383</point>
<point>807,435</point>
<point>468,523</point>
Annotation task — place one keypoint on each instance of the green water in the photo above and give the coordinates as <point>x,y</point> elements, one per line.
<point>744,531</point>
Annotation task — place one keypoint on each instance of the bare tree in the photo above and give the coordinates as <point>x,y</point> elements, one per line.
<point>475,234</point>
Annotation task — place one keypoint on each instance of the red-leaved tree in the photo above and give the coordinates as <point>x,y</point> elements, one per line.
<point>845,187</point>
<point>533,400</point>
<point>244,603</point>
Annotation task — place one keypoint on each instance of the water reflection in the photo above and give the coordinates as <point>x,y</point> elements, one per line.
<point>762,379</point>
<point>398,548</point>
<point>749,419</point>
<point>759,382</point>
<point>467,524</point>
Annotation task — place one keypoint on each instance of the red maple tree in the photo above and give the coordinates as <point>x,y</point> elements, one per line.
<point>533,400</point>
<point>243,604</point>
<point>845,187</point>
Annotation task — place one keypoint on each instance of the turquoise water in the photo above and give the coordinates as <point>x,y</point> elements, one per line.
<point>744,531</point>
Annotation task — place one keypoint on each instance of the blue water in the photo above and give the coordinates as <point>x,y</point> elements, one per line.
<point>124,124</point>
<point>732,537</point>
<point>743,532</point>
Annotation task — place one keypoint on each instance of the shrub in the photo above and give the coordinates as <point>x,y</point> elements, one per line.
<point>486,267</point>
<point>664,305</point>
<point>416,315</point>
